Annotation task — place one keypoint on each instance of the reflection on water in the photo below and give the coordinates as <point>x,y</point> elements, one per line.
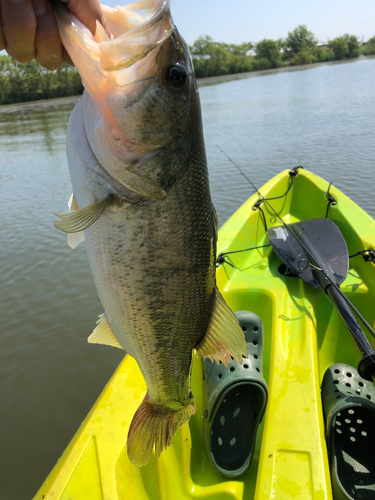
<point>321,118</point>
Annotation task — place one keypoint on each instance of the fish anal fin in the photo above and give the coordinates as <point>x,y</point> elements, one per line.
<point>154,426</point>
<point>103,334</point>
<point>224,337</point>
<point>81,219</point>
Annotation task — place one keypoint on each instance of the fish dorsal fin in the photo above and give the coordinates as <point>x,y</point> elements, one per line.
<point>74,239</point>
<point>81,219</point>
<point>103,334</point>
<point>224,337</point>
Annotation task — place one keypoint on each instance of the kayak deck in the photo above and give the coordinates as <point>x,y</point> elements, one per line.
<point>303,336</point>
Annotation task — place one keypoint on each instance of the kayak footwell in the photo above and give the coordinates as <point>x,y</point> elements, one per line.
<point>293,461</point>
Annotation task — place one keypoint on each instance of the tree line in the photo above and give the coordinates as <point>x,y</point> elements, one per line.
<point>20,82</point>
<point>212,58</point>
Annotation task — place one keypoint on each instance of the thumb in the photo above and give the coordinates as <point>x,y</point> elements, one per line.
<point>88,12</point>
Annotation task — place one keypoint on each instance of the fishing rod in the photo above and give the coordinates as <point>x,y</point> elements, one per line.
<point>304,254</point>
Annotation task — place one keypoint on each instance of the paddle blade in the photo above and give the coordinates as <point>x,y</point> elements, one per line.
<point>318,241</point>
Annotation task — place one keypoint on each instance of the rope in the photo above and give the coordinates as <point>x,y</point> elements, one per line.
<point>368,255</point>
<point>331,200</point>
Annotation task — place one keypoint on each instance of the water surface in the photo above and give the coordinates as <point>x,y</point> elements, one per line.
<point>321,118</point>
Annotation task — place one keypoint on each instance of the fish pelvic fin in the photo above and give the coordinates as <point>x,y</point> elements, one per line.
<point>103,333</point>
<point>74,239</point>
<point>81,219</point>
<point>224,337</point>
<point>153,426</point>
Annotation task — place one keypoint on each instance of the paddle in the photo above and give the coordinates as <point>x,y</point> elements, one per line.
<point>316,251</point>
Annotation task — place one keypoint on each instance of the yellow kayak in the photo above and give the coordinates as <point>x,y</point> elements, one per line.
<point>303,337</point>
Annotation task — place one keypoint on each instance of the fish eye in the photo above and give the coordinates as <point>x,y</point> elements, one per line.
<point>176,75</point>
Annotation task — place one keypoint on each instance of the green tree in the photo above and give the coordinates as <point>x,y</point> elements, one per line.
<point>340,47</point>
<point>323,54</point>
<point>300,38</point>
<point>281,42</point>
<point>353,45</point>
<point>369,48</point>
<point>203,46</point>
<point>242,49</point>
<point>269,49</point>
<point>212,58</point>
<point>345,46</point>
<point>20,82</point>
<point>304,56</point>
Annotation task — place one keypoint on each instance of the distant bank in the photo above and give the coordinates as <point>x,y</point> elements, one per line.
<point>202,82</point>
<point>213,80</point>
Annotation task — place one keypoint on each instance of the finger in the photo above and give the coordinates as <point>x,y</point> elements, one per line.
<point>48,48</point>
<point>19,25</point>
<point>88,12</point>
<point>2,39</point>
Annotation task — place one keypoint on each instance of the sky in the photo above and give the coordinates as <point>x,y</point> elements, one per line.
<point>237,21</point>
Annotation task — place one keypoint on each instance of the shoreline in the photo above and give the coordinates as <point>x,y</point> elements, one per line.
<point>202,82</point>
<point>214,80</point>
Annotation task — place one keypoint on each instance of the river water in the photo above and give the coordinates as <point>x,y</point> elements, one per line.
<point>322,118</point>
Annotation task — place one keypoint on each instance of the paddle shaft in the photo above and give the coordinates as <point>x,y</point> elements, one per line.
<point>366,367</point>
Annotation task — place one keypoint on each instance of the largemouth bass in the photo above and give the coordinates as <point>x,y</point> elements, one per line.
<point>142,200</point>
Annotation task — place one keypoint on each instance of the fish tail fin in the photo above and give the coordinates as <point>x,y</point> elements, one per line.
<point>154,426</point>
<point>224,337</point>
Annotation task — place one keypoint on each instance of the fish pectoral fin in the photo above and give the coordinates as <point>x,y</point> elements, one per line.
<point>154,426</point>
<point>74,239</point>
<point>103,333</point>
<point>224,337</point>
<point>79,220</point>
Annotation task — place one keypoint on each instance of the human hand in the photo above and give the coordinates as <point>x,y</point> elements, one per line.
<point>28,29</point>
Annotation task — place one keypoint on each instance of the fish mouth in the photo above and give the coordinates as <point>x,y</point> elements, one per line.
<point>122,76</point>
<point>150,24</point>
<point>137,29</point>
